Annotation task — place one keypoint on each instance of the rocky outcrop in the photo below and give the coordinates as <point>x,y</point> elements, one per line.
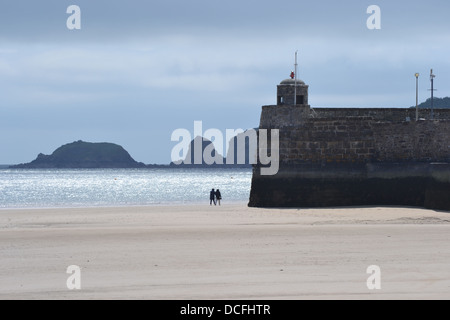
<point>82,154</point>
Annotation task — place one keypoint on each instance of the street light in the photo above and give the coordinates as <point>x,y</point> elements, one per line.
<point>417,96</point>
<point>432,76</point>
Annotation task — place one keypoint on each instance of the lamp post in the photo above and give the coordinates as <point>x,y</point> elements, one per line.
<point>432,76</point>
<point>417,96</point>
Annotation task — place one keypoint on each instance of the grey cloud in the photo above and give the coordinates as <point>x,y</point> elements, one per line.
<point>139,69</point>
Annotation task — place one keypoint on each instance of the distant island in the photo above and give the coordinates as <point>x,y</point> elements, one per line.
<point>189,161</point>
<point>89,155</point>
<point>206,148</point>
<point>438,103</point>
<point>82,154</point>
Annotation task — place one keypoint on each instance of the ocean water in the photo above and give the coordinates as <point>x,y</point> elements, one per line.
<point>48,188</point>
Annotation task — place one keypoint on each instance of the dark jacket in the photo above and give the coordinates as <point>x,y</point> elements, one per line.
<point>218,195</point>
<point>211,195</point>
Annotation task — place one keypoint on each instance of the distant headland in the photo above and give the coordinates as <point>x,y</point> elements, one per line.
<point>439,103</point>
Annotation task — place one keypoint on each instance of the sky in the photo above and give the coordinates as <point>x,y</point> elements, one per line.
<point>138,70</point>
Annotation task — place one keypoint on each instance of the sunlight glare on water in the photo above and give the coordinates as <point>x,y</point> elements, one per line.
<point>119,187</point>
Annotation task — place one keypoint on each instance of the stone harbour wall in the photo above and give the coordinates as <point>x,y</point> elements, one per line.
<point>345,157</point>
<point>407,184</point>
<point>354,140</point>
<point>386,114</point>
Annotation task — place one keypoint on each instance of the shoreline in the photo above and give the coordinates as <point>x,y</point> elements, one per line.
<point>204,203</point>
<point>229,252</point>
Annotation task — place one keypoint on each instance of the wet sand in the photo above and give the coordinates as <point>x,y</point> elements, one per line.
<point>227,252</point>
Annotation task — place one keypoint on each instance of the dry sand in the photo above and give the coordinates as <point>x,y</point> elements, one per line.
<point>228,252</point>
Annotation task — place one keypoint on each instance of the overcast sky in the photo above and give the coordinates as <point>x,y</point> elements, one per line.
<point>137,70</point>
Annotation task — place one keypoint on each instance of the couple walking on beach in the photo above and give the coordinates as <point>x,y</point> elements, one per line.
<point>215,196</point>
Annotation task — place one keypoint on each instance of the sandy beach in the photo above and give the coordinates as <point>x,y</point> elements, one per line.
<point>227,252</point>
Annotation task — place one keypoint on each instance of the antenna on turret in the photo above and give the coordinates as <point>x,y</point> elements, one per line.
<point>295,81</point>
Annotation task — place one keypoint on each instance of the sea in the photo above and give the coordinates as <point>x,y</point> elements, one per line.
<point>71,188</point>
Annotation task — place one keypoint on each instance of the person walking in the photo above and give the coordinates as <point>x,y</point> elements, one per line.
<point>212,197</point>
<point>218,196</point>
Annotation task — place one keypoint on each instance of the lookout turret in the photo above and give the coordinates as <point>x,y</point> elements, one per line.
<point>288,89</point>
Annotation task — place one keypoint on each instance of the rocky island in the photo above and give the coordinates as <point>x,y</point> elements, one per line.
<point>81,154</point>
